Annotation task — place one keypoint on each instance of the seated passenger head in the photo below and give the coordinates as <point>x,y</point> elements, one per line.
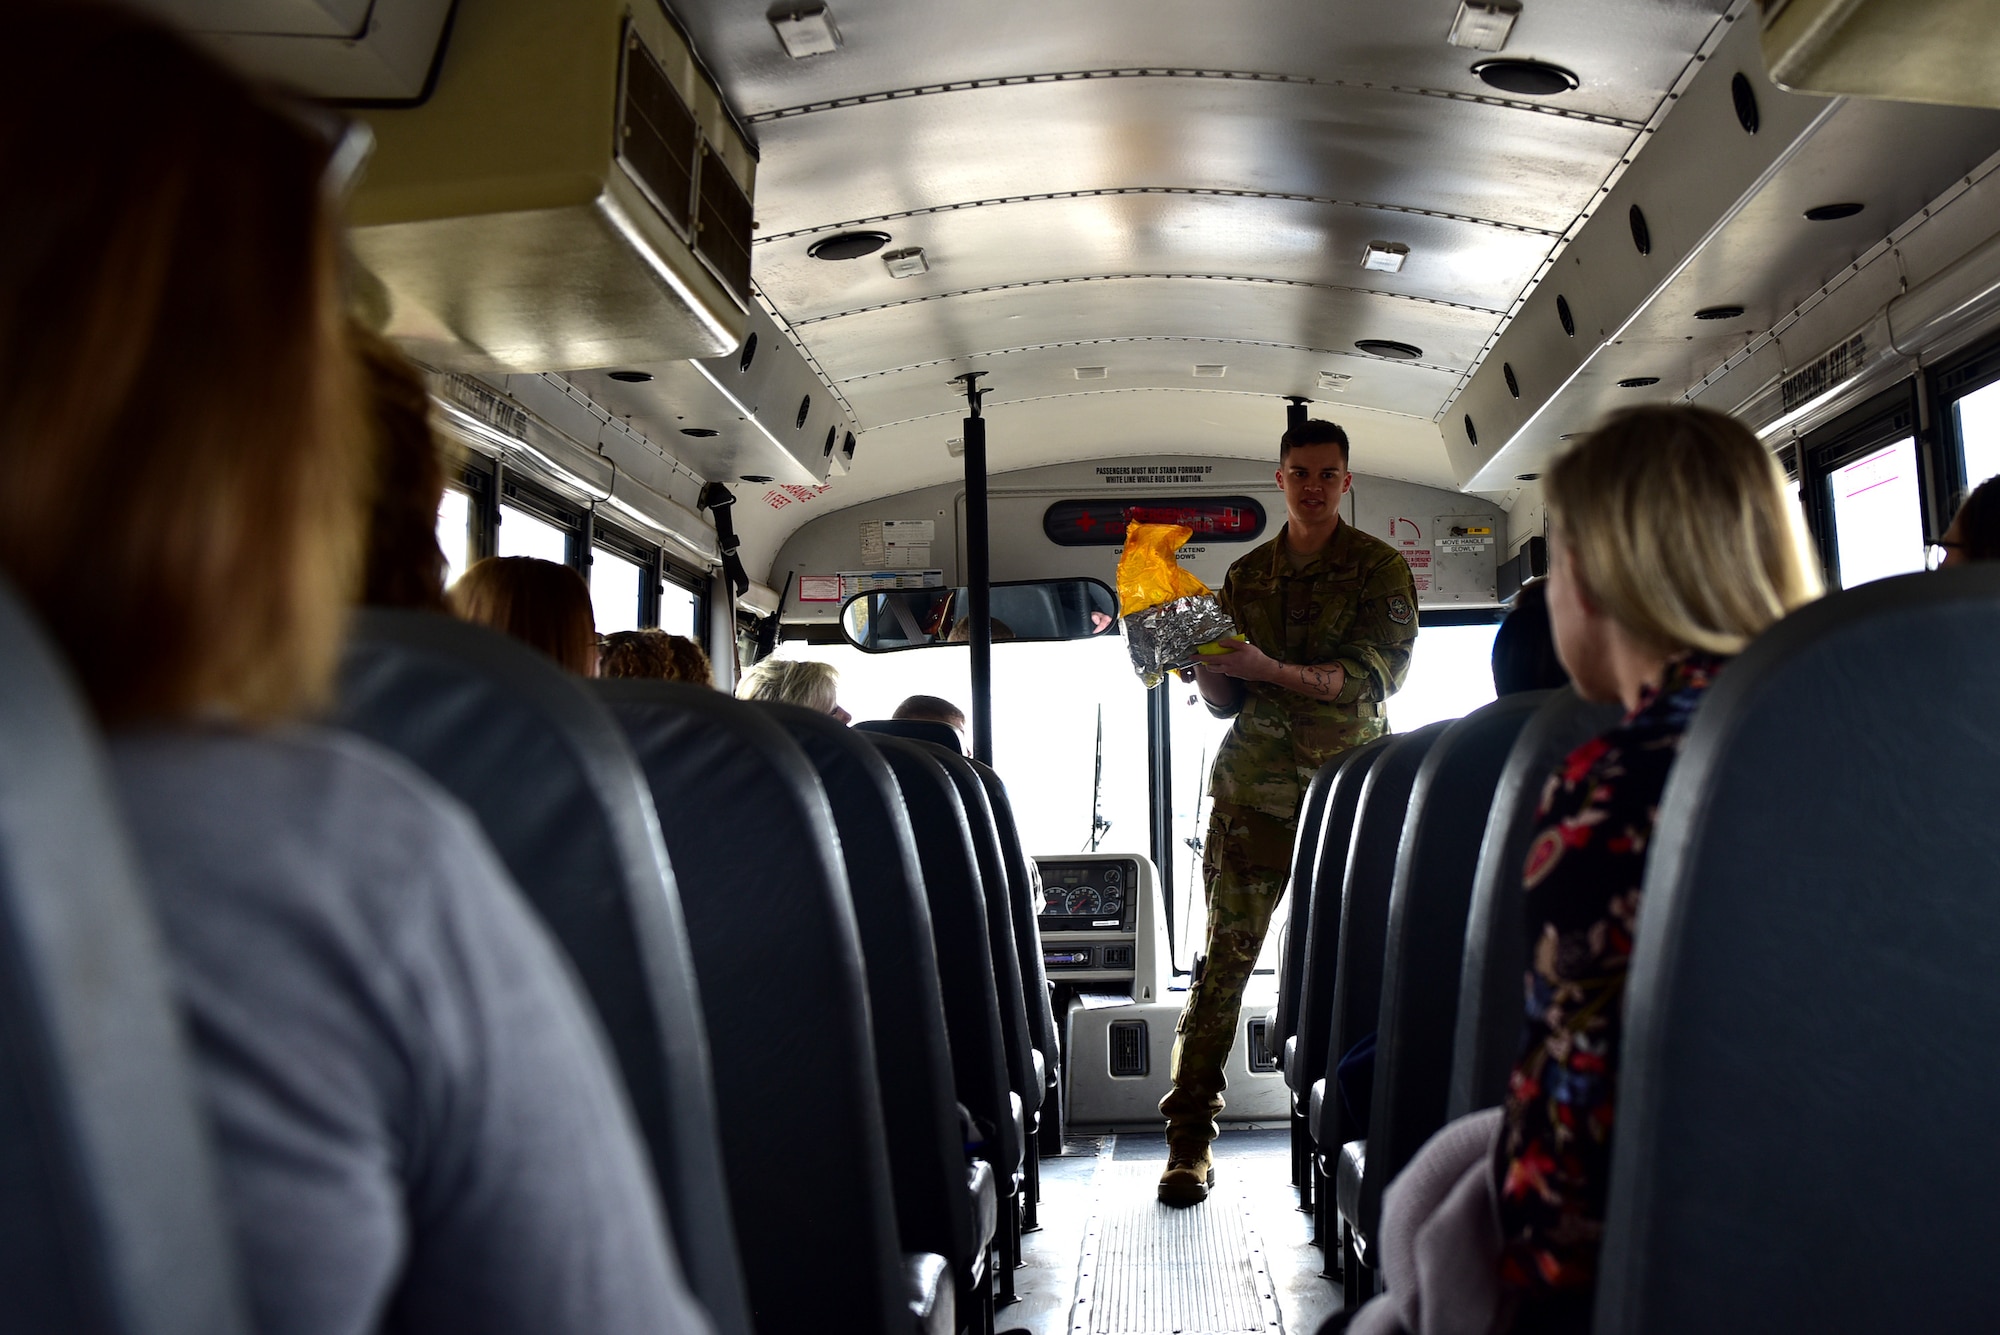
<point>795,681</point>
<point>405,566</point>
<point>1974,534</point>
<point>539,603</point>
<point>1670,530</point>
<point>185,457</point>
<point>933,709</point>
<point>1524,647</point>
<point>654,655</point>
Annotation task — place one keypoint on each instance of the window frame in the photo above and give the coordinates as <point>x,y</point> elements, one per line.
<point>1952,379</point>
<point>1882,420</point>
<point>624,543</point>
<point>551,507</point>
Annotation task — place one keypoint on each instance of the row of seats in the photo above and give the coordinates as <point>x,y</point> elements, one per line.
<point>810,948</point>
<point>1806,1087</point>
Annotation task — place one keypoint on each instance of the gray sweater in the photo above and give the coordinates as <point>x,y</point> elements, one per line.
<point>417,1122</point>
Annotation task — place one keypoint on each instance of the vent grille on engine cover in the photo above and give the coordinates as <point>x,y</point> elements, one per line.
<point>1130,1051</point>
<point>1260,1056</point>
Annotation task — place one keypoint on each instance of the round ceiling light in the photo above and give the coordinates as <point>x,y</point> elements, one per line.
<point>1526,78</point>
<point>1833,212</point>
<point>1719,313</point>
<point>630,377</point>
<point>1388,347</point>
<point>1638,381</point>
<point>848,245</point>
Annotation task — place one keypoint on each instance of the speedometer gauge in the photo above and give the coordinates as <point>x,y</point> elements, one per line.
<point>1082,900</point>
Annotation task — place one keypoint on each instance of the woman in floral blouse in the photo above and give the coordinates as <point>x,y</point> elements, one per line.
<point>1673,544</point>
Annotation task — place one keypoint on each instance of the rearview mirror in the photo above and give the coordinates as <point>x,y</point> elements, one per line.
<point>888,620</point>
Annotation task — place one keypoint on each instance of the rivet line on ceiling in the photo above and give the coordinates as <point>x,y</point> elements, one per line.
<point>1124,277</point>
<point>1135,389</point>
<point>1239,76</point>
<point>1139,338</point>
<point>1156,190</point>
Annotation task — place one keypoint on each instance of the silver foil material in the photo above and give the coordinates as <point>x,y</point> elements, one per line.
<point>1165,637</point>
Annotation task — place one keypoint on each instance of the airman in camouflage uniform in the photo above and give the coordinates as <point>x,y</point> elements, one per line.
<point>1350,606</point>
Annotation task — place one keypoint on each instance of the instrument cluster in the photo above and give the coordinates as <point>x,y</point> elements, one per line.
<point>1085,895</point>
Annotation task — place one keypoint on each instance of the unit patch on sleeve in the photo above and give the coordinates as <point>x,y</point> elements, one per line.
<point>1400,610</point>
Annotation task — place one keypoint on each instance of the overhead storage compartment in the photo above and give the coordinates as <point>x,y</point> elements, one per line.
<point>572,194</point>
<point>1944,51</point>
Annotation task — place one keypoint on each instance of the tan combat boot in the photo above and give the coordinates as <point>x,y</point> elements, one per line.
<point>1190,1171</point>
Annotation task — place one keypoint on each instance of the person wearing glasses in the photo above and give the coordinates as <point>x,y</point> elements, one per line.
<point>1974,534</point>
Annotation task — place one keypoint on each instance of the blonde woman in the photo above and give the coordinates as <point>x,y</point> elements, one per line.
<point>1672,546</point>
<point>795,681</point>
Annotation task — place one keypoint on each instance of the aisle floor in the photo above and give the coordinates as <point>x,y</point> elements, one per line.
<point>1109,1259</point>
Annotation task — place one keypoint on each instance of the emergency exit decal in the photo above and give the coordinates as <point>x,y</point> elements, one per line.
<point>1101,523</point>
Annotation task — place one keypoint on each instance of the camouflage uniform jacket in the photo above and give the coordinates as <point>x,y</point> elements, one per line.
<point>1354,603</point>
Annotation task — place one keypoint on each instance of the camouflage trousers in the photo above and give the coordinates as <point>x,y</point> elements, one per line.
<point>1245,862</point>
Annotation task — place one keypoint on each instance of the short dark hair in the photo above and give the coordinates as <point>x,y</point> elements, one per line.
<point>1313,431</point>
<point>931,709</point>
<point>1979,521</point>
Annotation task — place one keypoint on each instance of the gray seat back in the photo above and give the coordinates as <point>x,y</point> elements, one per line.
<point>1426,941</point>
<point>559,794</point>
<point>110,1212</point>
<point>958,927</point>
<point>905,1000</point>
<point>1808,1088</point>
<point>1322,951</point>
<point>1022,879</point>
<point>1298,900</point>
<point>1364,916</point>
<point>772,930</point>
<point>1487,1036</point>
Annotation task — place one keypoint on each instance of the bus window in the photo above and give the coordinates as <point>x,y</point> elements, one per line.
<point>523,533</point>
<point>680,614</point>
<point>1978,420</point>
<point>614,590</point>
<point>1877,520</point>
<point>454,532</point>
<point>1451,674</point>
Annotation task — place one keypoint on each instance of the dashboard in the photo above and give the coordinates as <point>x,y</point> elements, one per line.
<point>1088,896</point>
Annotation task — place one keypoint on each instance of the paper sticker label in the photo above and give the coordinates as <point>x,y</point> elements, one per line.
<point>819,588</point>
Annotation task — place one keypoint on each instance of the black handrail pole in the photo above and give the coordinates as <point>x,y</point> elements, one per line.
<point>978,570</point>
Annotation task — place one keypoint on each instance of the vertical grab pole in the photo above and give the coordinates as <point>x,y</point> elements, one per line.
<point>979,569</point>
<point>1296,408</point>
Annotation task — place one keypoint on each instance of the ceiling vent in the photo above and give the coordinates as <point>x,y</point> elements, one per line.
<point>1210,372</point>
<point>624,163</point>
<point>847,245</point>
<point>1525,78</point>
<point>1388,347</point>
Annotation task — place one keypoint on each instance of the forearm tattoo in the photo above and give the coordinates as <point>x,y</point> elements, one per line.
<point>1318,680</point>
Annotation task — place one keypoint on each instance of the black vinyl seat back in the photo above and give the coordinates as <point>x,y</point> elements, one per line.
<point>1022,879</point>
<point>1006,960</point>
<point>110,1210</point>
<point>915,730</point>
<point>1487,1035</point>
<point>1322,952</point>
<point>772,930</point>
<point>1426,941</point>
<point>958,926</point>
<point>558,792</point>
<point>1298,899</point>
<point>905,1000</point>
<point>1809,1088</point>
<point>1364,915</point>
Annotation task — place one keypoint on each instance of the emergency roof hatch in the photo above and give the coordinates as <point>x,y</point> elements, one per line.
<point>571,194</point>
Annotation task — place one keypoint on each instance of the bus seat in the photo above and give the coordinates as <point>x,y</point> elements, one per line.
<point>1284,1020</point>
<point>971,996</point>
<point>111,1216</point>
<point>1487,1035</point>
<point>557,790</point>
<point>777,951</point>
<point>915,730</point>
<point>1356,993</point>
<point>1808,1079</point>
<point>943,1204</point>
<point>1439,852</point>
<point>1022,879</point>
<point>1305,1050</point>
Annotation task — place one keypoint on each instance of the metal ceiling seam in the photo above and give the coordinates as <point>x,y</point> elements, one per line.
<point>1127,277</point>
<point>1146,338</point>
<point>1716,33</point>
<point>1133,389</point>
<point>1115,191</point>
<point>1779,328</point>
<point>805,353</point>
<point>1162,72</point>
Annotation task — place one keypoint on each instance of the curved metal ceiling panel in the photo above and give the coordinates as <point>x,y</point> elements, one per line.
<point>1625,55</point>
<point>1160,363</point>
<point>1500,163</point>
<point>1124,307</point>
<point>1460,262</point>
